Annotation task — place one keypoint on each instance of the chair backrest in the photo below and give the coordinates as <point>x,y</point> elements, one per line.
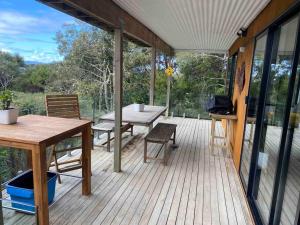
<point>65,106</point>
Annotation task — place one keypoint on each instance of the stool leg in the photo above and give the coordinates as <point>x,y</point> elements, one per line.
<point>131,131</point>
<point>228,138</point>
<point>145,151</point>
<point>212,138</point>
<point>108,141</point>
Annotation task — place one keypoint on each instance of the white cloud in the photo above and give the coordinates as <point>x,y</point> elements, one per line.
<point>41,56</point>
<point>13,23</point>
<point>5,50</point>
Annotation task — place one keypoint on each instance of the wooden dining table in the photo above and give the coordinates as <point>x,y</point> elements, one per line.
<point>34,133</point>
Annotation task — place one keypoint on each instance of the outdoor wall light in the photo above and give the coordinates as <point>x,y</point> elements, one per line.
<point>242,32</point>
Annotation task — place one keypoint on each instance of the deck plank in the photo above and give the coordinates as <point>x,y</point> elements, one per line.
<point>196,187</point>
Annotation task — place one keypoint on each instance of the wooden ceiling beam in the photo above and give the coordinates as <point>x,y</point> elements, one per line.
<point>108,15</point>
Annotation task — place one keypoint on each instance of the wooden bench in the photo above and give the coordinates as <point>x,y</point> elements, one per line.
<point>108,128</point>
<point>161,134</point>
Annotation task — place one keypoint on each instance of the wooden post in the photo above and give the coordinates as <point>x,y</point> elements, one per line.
<point>168,96</point>
<point>118,70</point>
<point>153,75</point>
<point>1,212</point>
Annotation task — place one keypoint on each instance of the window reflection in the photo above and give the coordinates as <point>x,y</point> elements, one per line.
<point>256,75</point>
<point>292,187</point>
<point>276,98</point>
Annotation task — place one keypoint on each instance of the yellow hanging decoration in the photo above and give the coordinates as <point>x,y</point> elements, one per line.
<point>169,71</point>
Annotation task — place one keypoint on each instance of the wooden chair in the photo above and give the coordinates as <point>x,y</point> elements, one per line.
<point>64,106</point>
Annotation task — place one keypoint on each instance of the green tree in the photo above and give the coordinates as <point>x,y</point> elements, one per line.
<point>10,67</point>
<point>137,68</point>
<point>87,68</point>
<point>199,76</point>
<point>35,78</point>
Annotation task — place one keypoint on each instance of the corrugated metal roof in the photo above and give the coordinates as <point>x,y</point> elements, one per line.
<point>207,25</point>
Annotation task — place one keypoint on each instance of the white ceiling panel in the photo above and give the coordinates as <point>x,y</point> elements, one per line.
<point>206,25</point>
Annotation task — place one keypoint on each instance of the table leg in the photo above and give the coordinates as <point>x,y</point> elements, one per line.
<point>108,141</point>
<point>40,184</point>
<point>86,160</point>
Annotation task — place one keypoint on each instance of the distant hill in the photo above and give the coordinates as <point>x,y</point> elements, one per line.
<point>33,63</point>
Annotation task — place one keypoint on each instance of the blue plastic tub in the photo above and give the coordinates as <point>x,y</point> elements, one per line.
<point>20,190</point>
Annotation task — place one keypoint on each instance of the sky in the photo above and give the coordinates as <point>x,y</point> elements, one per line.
<point>28,28</point>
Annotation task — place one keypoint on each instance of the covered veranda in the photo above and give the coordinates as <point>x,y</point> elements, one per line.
<point>198,186</point>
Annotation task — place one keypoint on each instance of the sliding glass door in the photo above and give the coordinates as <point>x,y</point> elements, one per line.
<point>273,116</point>
<point>291,204</point>
<point>254,89</point>
<point>270,160</point>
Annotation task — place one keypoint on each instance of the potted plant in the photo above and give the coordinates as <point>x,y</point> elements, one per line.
<point>138,103</point>
<point>8,115</point>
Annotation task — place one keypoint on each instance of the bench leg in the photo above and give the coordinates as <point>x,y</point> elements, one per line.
<point>145,151</point>
<point>165,154</point>
<point>131,130</point>
<point>174,139</point>
<point>108,141</point>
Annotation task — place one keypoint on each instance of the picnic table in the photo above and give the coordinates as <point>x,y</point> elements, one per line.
<point>145,118</point>
<point>34,133</point>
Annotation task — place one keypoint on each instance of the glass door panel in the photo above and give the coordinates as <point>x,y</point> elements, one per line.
<point>276,97</point>
<point>254,89</point>
<point>292,187</point>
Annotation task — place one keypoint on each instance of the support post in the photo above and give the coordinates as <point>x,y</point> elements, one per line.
<point>118,71</point>
<point>1,212</point>
<point>168,96</point>
<point>153,75</point>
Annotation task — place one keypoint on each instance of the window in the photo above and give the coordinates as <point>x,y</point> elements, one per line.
<point>231,74</point>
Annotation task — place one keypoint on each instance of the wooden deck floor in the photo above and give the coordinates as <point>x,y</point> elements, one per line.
<point>197,187</point>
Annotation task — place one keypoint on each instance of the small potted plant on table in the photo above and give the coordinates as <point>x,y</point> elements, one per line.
<point>8,114</point>
<point>138,103</point>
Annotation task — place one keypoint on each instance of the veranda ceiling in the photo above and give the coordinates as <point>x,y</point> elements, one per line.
<point>206,25</point>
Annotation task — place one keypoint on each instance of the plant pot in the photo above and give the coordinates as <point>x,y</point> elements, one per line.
<point>9,116</point>
<point>139,107</point>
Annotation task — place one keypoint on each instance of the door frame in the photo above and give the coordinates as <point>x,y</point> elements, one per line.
<point>282,165</point>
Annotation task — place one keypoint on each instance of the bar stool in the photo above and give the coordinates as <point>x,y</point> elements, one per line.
<point>227,132</point>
